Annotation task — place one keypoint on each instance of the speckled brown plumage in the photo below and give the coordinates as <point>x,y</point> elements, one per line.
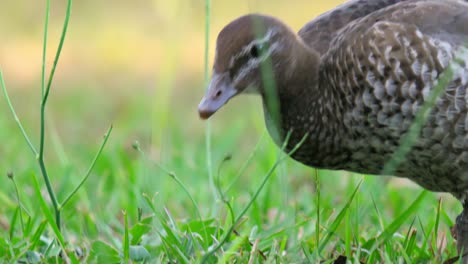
<point>319,32</point>
<point>353,80</point>
<point>378,77</point>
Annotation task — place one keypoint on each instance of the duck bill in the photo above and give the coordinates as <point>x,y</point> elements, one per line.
<point>218,94</point>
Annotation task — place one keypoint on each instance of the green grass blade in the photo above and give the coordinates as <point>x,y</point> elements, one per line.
<point>209,156</point>
<point>411,243</point>
<point>348,237</point>
<point>44,47</point>
<point>13,222</point>
<point>174,250</point>
<point>425,242</point>
<point>88,172</point>
<point>20,211</point>
<point>396,224</point>
<point>149,201</point>
<point>15,116</point>
<point>45,95</point>
<point>407,237</point>
<point>246,163</point>
<point>235,246</point>
<point>436,227</point>
<point>317,202</point>
<point>126,239</point>
<point>339,218</point>
<point>173,176</point>
<point>305,250</point>
<point>37,235</point>
<point>404,254</point>
<point>59,50</point>
<point>279,160</point>
<point>50,218</point>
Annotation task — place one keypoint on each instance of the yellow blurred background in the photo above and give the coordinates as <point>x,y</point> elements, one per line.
<point>113,43</point>
<point>136,64</point>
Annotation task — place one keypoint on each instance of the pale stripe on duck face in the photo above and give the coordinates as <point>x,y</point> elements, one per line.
<point>253,62</point>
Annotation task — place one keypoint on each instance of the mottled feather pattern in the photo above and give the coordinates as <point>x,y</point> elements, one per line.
<point>319,32</point>
<point>353,81</point>
<point>389,89</point>
<point>378,78</point>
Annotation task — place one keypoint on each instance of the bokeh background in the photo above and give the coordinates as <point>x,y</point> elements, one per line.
<point>139,65</point>
<point>118,54</point>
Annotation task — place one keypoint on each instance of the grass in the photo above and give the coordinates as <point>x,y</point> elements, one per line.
<point>228,195</point>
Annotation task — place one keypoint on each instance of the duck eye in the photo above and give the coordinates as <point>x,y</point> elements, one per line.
<point>255,51</point>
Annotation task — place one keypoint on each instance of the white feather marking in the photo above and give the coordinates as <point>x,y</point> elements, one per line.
<point>370,78</point>
<point>371,58</point>
<point>426,91</point>
<point>405,89</point>
<point>381,67</point>
<point>406,42</point>
<point>406,108</point>
<point>387,53</point>
<point>426,75</point>
<point>413,91</point>
<point>416,107</point>
<point>419,34</point>
<point>390,87</point>
<point>368,98</point>
<point>413,52</point>
<point>379,90</point>
<point>398,71</point>
<point>255,62</point>
<point>416,67</point>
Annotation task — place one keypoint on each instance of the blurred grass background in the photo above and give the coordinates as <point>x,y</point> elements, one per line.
<point>145,52</point>
<point>139,66</point>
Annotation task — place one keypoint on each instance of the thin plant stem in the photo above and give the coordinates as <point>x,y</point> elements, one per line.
<point>44,47</point>
<point>209,157</point>
<point>317,203</point>
<point>50,191</point>
<point>96,157</point>
<point>49,217</point>
<point>278,161</point>
<point>207,39</point>
<point>171,174</point>
<point>20,211</point>
<point>221,193</point>
<point>15,116</point>
<point>246,163</point>
<point>59,51</point>
<point>45,96</point>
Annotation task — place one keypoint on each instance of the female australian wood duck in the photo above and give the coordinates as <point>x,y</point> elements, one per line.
<point>352,81</point>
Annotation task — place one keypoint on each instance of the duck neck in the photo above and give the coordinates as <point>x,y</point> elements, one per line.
<point>302,108</point>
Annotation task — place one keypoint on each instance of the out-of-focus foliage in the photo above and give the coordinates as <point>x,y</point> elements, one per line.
<point>132,40</point>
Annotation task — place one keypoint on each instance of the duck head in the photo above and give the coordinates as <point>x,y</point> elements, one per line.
<point>251,53</point>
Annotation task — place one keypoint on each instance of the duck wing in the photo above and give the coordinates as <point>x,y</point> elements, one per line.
<point>319,32</point>
<point>382,68</point>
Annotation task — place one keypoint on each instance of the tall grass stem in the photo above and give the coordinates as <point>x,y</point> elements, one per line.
<point>15,116</point>
<point>45,96</point>
<point>209,156</point>
<point>44,48</point>
<point>90,168</point>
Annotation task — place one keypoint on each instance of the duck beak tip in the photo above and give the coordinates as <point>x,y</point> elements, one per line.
<point>204,115</point>
<point>218,94</point>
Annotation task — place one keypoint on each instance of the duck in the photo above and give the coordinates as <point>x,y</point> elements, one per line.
<point>349,87</point>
